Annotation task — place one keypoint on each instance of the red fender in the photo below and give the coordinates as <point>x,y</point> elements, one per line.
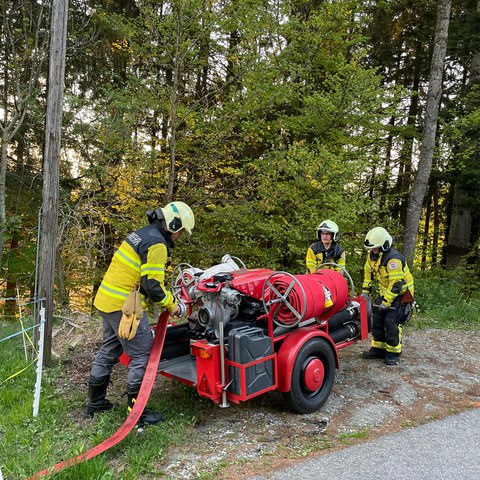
<point>289,350</point>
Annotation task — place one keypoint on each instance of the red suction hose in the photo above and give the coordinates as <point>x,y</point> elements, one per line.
<point>136,412</point>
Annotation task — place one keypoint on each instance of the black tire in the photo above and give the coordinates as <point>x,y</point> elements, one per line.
<point>314,360</point>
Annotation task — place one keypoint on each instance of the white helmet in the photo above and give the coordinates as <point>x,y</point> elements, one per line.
<point>177,216</point>
<point>378,237</point>
<point>329,226</point>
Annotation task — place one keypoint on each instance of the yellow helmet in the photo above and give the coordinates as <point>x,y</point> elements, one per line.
<point>178,215</point>
<point>378,237</point>
<point>329,226</point>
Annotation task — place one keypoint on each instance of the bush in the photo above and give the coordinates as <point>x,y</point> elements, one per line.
<point>448,299</point>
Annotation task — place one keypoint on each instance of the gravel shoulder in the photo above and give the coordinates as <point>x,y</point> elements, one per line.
<point>438,376</point>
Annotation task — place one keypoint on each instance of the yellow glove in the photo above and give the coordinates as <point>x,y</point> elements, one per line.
<point>128,326</point>
<point>132,313</point>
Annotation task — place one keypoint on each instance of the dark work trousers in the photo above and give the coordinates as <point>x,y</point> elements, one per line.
<point>385,328</point>
<point>138,348</point>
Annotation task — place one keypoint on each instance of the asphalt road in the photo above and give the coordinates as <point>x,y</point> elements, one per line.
<point>447,449</point>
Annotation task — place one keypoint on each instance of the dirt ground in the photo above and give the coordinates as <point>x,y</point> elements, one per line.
<point>438,376</point>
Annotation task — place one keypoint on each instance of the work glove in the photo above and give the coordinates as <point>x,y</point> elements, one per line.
<point>132,313</point>
<point>174,311</point>
<point>383,308</point>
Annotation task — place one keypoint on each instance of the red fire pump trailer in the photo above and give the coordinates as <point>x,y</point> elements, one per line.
<point>251,331</point>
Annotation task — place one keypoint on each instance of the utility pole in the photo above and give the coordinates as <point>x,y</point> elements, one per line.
<point>51,165</point>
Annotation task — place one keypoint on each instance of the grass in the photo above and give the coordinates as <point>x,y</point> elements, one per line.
<point>31,444</point>
<point>346,437</point>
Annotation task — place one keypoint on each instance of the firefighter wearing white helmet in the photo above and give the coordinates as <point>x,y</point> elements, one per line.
<point>327,249</point>
<point>140,261</point>
<point>178,216</point>
<point>395,296</point>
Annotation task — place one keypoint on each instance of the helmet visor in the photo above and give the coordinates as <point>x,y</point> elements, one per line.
<point>367,244</point>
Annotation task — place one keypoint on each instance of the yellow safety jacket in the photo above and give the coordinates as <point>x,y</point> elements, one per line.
<point>141,259</point>
<point>392,273</point>
<point>317,254</point>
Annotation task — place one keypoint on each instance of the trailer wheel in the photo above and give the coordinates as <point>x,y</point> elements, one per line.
<point>313,376</point>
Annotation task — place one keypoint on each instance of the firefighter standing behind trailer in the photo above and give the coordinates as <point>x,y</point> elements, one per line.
<point>392,306</point>
<point>140,260</point>
<point>327,249</point>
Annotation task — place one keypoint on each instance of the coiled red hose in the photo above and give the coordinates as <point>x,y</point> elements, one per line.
<point>307,294</point>
<point>337,285</point>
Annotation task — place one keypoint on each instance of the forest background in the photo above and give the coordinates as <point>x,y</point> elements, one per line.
<point>264,116</point>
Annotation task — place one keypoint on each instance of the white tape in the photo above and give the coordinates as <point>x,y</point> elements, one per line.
<point>38,383</point>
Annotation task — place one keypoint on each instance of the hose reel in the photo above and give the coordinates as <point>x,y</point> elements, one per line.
<point>291,299</point>
<point>284,294</point>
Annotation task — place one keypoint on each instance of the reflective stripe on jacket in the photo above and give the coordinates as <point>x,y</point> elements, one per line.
<point>141,259</point>
<point>317,254</point>
<point>392,273</point>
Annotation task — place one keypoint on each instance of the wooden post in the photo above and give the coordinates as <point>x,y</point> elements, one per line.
<point>51,165</point>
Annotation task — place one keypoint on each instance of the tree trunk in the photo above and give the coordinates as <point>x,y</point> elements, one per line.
<point>51,166</point>
<point>11,288</point>
<point>384,186</point>
<point>19,80</point>
<point>3,210</point>
<point>405,161</point>
<point>174,109</point>
<point>460,227</point>
<point>426,231</point>
<point>420,186</point>
<point>436,227</point>
<point>460,231</point>
<point>63,295</point>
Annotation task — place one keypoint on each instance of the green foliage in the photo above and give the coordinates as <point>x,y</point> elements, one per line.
<point>21,235</point>
<point>261,155</point>
<point>265,117</point>
<point>448,298</point>
<point>463,132</point>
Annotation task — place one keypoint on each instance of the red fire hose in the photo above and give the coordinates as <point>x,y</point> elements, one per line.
<point>136,412</point>
<point>336,284</point>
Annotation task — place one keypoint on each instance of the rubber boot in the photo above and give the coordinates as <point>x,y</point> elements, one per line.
<point>392,358</point>
<point>374,352</point>
<point>97,390</point>
<point>148,417</point>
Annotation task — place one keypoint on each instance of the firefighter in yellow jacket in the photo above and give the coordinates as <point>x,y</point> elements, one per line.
<point>392,306</point>
<point>140,260</point>
<point>327,249</point>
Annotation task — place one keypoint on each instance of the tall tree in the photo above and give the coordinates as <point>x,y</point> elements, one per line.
<point>399,37</point>
<point>24,46</point>
<point>463,229</point>
<point>420,187</point>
